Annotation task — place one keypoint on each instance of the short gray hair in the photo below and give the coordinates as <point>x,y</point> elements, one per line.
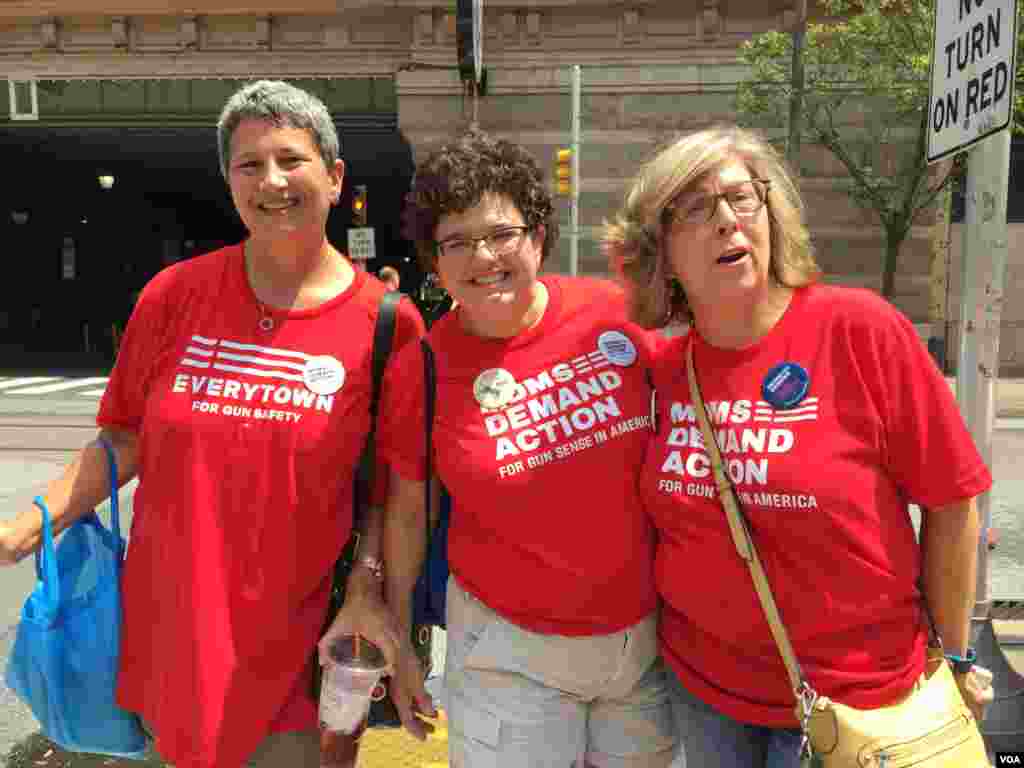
<point>281,104</point>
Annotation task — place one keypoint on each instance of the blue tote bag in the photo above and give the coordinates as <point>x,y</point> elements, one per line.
<point>65,656</point>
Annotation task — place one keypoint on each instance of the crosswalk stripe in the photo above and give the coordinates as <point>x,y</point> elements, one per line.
<point>92,393</point>
<point>25,381</point>
<point>46,389</point>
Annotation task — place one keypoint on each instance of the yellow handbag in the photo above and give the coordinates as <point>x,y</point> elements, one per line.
<point>931,727</point>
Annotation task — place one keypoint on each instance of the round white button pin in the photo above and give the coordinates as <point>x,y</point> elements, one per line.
<point>617,347</point>
<point>494,388</point>
<point>323,375</point>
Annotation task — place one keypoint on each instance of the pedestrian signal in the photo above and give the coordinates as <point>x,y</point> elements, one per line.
<point>563,172</point>
<point>359,206</point>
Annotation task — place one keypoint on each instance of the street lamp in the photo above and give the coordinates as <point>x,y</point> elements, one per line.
<point>106,181</point>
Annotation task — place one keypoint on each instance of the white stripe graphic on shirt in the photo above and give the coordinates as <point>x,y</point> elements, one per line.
<point>590,362</point>
<point>807,411</point>
<point>251,359</point>
<point>260,361</point>
<point>269,350</point>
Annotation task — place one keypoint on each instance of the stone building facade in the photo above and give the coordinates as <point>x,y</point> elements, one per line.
<point>650,68</point>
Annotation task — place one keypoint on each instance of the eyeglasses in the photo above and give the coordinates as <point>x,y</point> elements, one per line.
<point>745,199</point>
<point>499,242</point>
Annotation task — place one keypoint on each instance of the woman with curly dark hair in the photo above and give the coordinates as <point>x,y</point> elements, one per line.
<point>541,418</point>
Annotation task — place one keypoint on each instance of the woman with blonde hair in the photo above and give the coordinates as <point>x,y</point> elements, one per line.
<point>831,418</point>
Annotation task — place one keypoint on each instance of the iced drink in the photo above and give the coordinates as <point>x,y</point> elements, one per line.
<point>350,683</point>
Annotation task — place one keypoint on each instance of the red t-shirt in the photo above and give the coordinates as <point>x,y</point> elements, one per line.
<point>248,440</point>
<point>546,525</point>
<point>825,486</point>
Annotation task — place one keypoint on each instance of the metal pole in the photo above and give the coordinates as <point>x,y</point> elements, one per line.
<point>796,97</point>
<point>983,272</point>
<point>574,197</point>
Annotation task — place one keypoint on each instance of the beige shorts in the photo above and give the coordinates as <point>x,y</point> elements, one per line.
<point>518,698</point>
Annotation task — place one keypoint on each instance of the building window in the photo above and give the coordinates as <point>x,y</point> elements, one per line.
<point>24,99</point>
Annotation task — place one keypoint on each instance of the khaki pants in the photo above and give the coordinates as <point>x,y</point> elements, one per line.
<point>517,698</point>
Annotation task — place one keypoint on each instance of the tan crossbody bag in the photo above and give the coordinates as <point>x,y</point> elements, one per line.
<point>930,728</point>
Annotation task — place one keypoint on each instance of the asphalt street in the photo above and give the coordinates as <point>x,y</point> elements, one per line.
<point>40,432</point>
<point>37,437</point>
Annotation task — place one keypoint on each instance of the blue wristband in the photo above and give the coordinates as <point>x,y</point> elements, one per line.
<point>962,664</point>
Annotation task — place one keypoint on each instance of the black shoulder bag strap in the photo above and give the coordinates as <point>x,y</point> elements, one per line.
<point>383,335</point>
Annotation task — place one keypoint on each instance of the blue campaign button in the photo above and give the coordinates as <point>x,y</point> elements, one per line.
<point>786,385</point>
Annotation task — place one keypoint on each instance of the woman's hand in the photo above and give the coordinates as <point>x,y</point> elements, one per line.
<point>83,484</point>
<point>366,615</point>
<point>976,688</point>
<point>409,695</point>
<point>10,552</point>
<point>20,536</point>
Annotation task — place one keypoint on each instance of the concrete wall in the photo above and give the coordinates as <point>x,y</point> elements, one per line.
<point>1011,339</point>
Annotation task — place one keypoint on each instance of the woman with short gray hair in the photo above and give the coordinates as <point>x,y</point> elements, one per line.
<point>283,105</point>
<point>240,401</point>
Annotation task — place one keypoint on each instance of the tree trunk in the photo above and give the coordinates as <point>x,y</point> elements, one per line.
<point>893,240</point>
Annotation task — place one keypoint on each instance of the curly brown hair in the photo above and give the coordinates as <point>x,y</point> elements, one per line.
<point>455,178</point>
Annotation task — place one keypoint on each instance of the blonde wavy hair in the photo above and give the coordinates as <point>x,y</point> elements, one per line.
<point>635,239</point>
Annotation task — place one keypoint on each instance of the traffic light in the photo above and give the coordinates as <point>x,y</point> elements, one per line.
<point>359,206</point>
<point>563,172</point>
<point>468,38</point>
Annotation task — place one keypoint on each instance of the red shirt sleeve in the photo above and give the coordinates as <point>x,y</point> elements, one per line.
<point>124,400</point>
<point>401,436</point>
<point>930,453</point>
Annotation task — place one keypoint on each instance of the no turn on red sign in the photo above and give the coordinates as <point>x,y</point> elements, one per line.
<point>361,245</point>
<point>973,60</point>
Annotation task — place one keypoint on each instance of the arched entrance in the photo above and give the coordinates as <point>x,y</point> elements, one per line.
<point>78,250</point>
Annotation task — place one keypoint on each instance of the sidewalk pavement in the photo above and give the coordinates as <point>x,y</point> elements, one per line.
<point>1009,397</point>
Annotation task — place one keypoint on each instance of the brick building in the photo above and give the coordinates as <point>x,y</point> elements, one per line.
<point>131,89</point>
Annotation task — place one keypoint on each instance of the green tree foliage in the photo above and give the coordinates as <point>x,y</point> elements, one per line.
<point>865,100</point>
